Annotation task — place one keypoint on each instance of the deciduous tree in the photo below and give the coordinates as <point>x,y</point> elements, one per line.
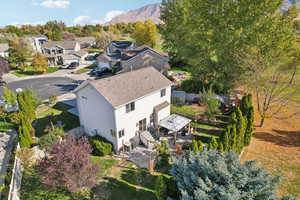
<point>68,165</point>
<point>212,36</point>
<point>39,63</point>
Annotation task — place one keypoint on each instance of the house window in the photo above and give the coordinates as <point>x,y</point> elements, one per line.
<point>113,133</point>
<point>163,93</point>
<point>130,107</point>
<point>121,133</point>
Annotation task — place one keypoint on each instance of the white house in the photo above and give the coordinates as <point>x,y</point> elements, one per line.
<point>120,107</point>
<point>4,50</point>
<point>57,51</point>
<point>36,41</point>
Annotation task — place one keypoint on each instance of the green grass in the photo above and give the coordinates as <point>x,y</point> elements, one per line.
<point>85,69</point>
<point>104,163</point>
<point>132,185</point>
<point>185,110</point>
<point>47,114</point>
<point>95,50</point>
<point>32,188</point>
<point>31,72</point>
<point>6,126</point>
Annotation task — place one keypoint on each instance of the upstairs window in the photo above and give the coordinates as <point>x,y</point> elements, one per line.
<point>121,133</point>
<point>130,107</point>
<point>163,93</point>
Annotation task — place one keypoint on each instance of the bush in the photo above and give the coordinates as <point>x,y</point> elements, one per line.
<point>48,140</point>
<point>101,147</point>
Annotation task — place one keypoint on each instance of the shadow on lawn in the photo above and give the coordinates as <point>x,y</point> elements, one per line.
<point>68,120</point>
<point>280,137</point>
<point>122,190</point>
<point>140,177</point>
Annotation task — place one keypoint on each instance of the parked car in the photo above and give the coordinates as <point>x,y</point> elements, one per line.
<point>98,72</point>
<point>73,65</point>
<point>90,58</point>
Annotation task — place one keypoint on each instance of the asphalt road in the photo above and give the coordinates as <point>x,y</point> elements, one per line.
<point>44,87</point>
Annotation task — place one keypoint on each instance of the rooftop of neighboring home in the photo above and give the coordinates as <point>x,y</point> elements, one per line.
<point>62,44</point>
<point>88,40</point>
<point>123,88</point>
<point>128,54</point>
<point>4,47</point>
<point>115,47</point>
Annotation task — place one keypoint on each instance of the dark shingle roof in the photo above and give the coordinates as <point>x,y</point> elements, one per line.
<point>124,88</point>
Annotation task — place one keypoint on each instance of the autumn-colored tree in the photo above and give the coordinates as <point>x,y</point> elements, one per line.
<point>39,63</point>
<point>68,165</point>
<point>20,53</point>
<point>104,38</point>
<point>145,33</point>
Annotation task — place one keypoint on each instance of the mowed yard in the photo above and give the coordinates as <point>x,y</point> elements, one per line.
<point>276,147</point>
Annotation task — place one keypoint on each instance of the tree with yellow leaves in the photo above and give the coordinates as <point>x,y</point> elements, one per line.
<point>39,63</point>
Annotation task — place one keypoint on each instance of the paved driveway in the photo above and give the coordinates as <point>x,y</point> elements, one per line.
<point>45,87</point>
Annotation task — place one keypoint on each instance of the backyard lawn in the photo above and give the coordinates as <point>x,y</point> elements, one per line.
<point>276,147</point>
<point>30,71</point>
<point>117,180</point>
<point>57,113</point>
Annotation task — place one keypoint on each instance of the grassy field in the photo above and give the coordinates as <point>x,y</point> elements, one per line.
<point>30,71</point>
<point>276,147</point>
<point>47,114</point>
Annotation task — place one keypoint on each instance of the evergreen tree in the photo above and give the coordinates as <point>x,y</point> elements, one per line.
<point>225,139</point>
<point>221,147</point>
<point>249,128</point>
<point>240,129</point>
<point>195,146</point>
<point>200,146</point>
<point>160,188</point>
<point>24,134</point>
<point>233,139</point>
<point>213,175</point>
<point>213,144</point>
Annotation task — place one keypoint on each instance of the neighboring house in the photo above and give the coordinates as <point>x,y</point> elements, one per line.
<point>121,107</point>
<point>115,48</point>
<point>56,51</point>
<point>76,56</point>
<point>140,57</point>
<point>86,42</point>
<point>4,47</point>
<point>36,41</point>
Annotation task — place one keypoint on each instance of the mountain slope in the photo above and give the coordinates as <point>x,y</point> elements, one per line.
<point>152,12</point>
<point>149,12</point>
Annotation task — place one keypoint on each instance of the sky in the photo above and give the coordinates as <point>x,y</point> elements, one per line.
<point>18,12</point>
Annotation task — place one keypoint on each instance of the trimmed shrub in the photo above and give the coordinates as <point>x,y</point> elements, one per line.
<point>48,140</point>
<point>101,147</point>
